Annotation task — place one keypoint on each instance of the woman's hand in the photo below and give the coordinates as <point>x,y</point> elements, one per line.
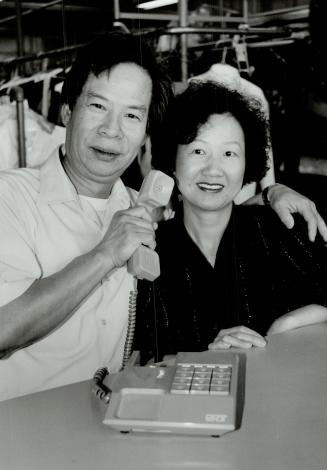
<point>308,315</point>
<point>237,337</point>
<point>285,202</point>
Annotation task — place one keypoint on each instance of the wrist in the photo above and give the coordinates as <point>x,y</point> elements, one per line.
<point>265,196</point>
<point>269,193</point>
<point>103,260</point>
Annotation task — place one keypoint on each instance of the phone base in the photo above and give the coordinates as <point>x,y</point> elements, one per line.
<point>154,398</point>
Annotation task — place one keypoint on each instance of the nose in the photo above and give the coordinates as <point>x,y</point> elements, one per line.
<point>110,127</point>
<point>213,167</point>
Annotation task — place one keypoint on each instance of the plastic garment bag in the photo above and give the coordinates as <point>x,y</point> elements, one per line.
<point>42,137</point>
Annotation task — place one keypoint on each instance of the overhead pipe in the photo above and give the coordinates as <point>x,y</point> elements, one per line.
<point>183,22</point>
<point>28,12</point>
<point>245,31</point>
<point>19,36</point>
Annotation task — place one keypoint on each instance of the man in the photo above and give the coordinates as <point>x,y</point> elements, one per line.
<point>64,284</point>
<point>69,226</point>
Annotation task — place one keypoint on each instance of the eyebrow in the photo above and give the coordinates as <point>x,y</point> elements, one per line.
<point>229,142</point>
<point>233,142</point>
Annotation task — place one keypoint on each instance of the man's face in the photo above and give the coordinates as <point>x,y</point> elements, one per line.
<point>107,128</point>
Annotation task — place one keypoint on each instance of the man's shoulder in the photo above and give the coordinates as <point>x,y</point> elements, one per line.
<point>21,181</point>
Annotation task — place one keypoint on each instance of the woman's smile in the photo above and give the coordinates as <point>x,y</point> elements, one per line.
<point>210,187</point>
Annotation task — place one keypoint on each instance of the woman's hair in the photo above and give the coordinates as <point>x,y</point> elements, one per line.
<point>192,108</point>
<point>111,49</point>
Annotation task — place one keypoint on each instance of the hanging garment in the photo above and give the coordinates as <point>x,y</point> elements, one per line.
<point>42,137</point>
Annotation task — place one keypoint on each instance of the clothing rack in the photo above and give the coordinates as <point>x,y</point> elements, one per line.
<point>18,95</point>
<point>15,90</point>
<point>14,86</point>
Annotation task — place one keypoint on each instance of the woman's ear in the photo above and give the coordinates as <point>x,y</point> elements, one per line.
<point>65,114</point>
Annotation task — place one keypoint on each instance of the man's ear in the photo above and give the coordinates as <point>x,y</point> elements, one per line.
<point>65,114</point>
<point>144,156</point>
<point>146,141</point>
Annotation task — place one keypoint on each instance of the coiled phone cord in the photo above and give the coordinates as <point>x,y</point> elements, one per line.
<point>128,347</point>
<point>99,389</point>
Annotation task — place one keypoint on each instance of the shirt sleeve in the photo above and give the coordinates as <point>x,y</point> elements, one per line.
<point>19,266</point>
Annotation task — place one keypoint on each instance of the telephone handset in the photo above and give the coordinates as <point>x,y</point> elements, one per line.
<point>155,192</point>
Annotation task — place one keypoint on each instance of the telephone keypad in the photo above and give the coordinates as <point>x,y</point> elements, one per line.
<point>202,379</point>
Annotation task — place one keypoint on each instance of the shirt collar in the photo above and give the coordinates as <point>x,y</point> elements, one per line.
<point>55,186</point>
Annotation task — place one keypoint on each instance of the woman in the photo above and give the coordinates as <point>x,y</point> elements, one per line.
<point>229,274</point>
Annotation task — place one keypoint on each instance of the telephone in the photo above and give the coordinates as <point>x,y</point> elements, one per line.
<point>193,393</point>
<point>155,192</point>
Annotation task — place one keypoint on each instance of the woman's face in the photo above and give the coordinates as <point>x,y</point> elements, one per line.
<point>210,170</point>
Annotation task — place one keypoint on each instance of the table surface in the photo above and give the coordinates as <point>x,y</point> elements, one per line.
<point>284,422</point>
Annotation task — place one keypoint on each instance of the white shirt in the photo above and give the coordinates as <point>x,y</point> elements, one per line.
<point>44,225</point>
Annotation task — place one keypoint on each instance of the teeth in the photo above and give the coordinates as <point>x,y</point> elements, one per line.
<point>106,153</point>
<point>210,187</point>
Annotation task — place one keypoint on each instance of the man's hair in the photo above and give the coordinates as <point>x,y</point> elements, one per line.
<point>107,51</point>
<point>192,108</point>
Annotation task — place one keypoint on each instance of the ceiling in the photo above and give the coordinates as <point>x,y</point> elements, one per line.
<point>52,24</point>
<point>49,19</point>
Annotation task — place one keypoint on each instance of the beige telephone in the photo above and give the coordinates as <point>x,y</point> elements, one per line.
<point>193,393</point>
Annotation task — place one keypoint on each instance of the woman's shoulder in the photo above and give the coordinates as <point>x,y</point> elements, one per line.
<point>255,217</point>
<point>262,222</point>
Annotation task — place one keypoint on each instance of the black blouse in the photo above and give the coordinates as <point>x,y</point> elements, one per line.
<point>262,271</point>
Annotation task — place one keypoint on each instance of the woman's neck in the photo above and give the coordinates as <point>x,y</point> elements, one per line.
<point>206,228</point>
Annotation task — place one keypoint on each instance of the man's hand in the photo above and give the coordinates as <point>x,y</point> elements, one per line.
<point>128,230</point>
<point>285,202</point>
<point>237,337</point>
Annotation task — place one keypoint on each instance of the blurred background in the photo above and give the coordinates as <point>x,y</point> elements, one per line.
<point>278,45</point>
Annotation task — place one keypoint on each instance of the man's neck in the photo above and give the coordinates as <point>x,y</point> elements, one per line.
<point>85,187</point>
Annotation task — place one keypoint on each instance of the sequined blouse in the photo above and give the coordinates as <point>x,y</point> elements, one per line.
<point>262,271</point>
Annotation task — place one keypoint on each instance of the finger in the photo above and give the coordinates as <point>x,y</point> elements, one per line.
<point>322,227</point>
<point>138,211</point>
<point>134,223</point>
<point>168,213</point>
<point>219,345</point>
<point>312,229</point>
<point>255,340</point>
<point>310,215</point>
<point>285,216</point>
<point>146,238</point>
<point>237,339</point>
<point>157,214</point>
<point>237,342</point>
<point>238,329</point>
